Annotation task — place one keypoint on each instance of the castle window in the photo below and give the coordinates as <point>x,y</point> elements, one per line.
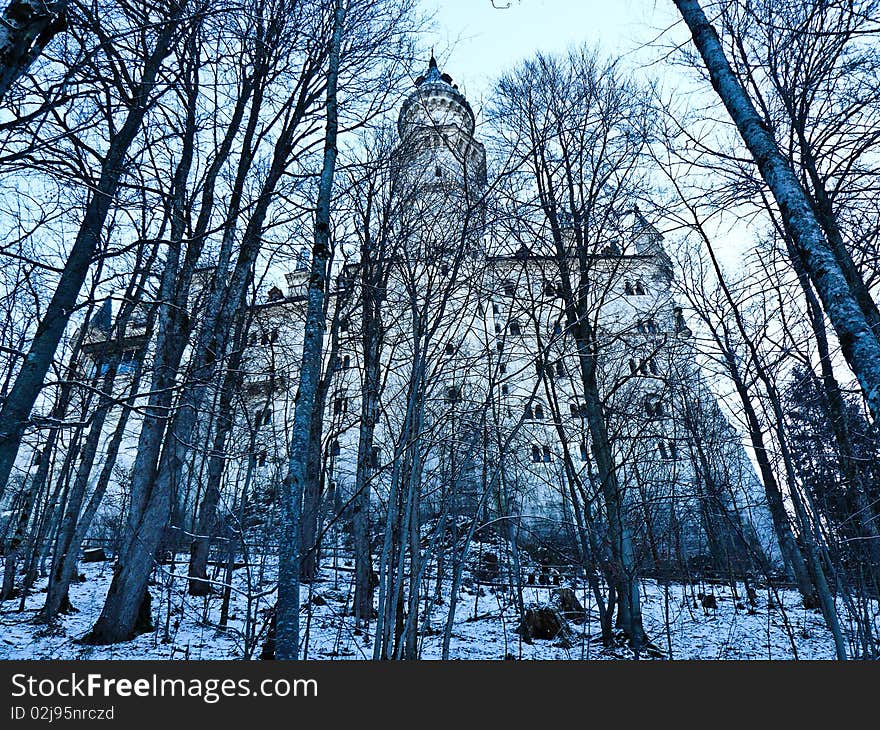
<point>343,324</point>
<point>549,289</point>
<point>495,308</point>
<point>536,453</point>
<point>611,249</point>
<point>652,366</point>
<point>509,288</point>
<point>128,362</point>
<point>583,449</point>
<point>252,339</point>
<point>557,328</point>
<point>639,288</point>
<point>261,458</point>
<point>575,410</point>
<point>654,406</point>
<point>453,394</point>
<point>560,368</point>
<point>450,348</point>
<point>628,289</point>
<point>530,414</point>
<point>633,368</point>
<point>539,412</point>
<point>513,327</point>
<point>340,405</point>
<point>502,368</point>
<point>546,452</point>
<point>497,328</point>
<point>504,389</point>
<point>273,336</point>
<point>499,346</point>
<point>438,171</point>
<point>444,270</point>
<point>334,448</point>
<point>668,450</point>
<point>346,362</point>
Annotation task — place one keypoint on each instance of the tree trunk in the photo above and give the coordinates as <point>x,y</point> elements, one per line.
<point>287,636</point>
<point>17,407</point>
<point>26,28</point>
<point>859,343</point>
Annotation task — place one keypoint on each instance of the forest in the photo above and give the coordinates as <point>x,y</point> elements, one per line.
<point>303,356</point>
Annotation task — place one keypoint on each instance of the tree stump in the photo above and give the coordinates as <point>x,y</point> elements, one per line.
<point>543,622</point>
<point>565,600</point>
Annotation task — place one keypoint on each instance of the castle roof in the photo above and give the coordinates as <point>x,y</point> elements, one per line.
<point>433,85</point>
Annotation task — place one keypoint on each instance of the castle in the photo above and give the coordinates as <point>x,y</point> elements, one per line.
<point>480,402</point>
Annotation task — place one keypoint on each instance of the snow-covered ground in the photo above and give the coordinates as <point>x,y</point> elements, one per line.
<point>485,625</point>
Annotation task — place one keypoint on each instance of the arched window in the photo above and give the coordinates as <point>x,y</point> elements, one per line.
<point>639,288</point>
<point>513,327</point>
<point>530,414</point>
<point>340,405</point>
<point>661,447</point>
<point>453,394</point>
<point>628,288</point>
<point>546,452</point>
<point>450,348</point>
<point>539,412</point>
<point>504,389</point>
<point>346,362</point>
<point>557,328</point>
<point>648,326</point>
<point>536,453</point>
<point>334,448</point>
<point>560,368</point>
<point>633,368</point>
<point>509,288</point>
<point>575,409</point>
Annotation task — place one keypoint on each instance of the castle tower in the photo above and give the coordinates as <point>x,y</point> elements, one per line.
<point>438,150</point>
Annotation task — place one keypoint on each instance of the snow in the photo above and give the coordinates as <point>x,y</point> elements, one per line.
<point>484,628</point>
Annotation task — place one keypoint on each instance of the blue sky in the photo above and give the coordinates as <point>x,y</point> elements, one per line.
<point>475,42</point>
